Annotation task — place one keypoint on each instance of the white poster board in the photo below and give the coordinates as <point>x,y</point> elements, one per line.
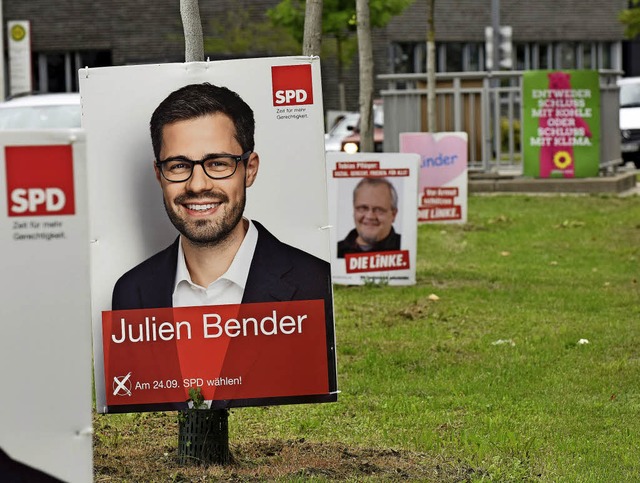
<point>443,174</point>
<point>19,45</point>
<point>128,220</point>
<point>45,337</point>
<point>389,256</point>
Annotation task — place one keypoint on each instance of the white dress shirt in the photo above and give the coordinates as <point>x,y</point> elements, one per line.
<point>227,289</point>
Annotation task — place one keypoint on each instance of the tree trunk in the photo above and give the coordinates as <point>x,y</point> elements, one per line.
<point>431,70</point>
<point>365,55</point>
<point>203,435</point>
<point>193,41</point>
<point>341,92</point>
<point>312,39</point>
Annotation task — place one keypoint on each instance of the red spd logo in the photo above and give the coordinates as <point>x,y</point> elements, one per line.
<point>292,85</point>
<point>39,180</point>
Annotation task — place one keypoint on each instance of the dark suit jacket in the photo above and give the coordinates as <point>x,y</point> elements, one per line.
<point>278,273</point>
<point>12,471</point>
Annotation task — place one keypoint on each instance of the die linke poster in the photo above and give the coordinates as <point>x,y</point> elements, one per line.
<point>442,187</point>
<point>257,329</point>
<point>561,123</point>
<point>372,207</point>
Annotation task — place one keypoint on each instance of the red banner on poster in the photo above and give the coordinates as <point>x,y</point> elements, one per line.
<point>368,169</point>
<point>439,204</point>
<point>377,261</point>
<point>246,351</point>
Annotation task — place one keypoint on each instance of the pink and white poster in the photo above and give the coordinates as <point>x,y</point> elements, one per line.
<point>442,185</point>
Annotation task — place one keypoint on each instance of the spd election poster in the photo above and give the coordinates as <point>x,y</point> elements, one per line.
<point>261,332</point>
<point>45,340</point>
<point>372,205</point>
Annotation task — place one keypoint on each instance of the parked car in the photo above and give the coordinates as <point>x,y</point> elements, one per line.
<point>41,111</point>
<point>351,144</point>
<point>341,129</point>
<point>630,119</point>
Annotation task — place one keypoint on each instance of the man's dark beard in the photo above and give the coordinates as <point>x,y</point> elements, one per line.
<point>206,234</point>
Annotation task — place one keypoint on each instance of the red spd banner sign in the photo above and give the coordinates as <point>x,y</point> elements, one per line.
<point>231,352</point>
<point>40,180</point>
<point>292,85</point>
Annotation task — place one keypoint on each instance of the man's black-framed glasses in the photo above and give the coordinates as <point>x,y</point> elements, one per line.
<point>179,169</point>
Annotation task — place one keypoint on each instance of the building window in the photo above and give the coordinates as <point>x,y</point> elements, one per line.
<point>473,57</point>
<point>411,57</point>
<point>588,56</point>
<point>565,55</point>
<point>522,57</point>
<point>58,71</point>
<point>454,57</point>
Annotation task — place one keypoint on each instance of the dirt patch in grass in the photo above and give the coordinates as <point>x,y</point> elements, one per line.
<point>147,452</point>
<point>284,460</point>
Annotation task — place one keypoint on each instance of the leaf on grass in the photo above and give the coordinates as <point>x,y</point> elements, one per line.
<point>571,224</point>
<point>498,219</point>
<point>504,342</point>
<point>433,297</point>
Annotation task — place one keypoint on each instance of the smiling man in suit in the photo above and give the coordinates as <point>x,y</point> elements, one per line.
<point>203,142</point>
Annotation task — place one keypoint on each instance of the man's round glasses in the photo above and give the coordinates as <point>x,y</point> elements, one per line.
<point>179,169</point>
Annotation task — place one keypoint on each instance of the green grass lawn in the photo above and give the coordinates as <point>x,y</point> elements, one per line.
<point>491,376</point>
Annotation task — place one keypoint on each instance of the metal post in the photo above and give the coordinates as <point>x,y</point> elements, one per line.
<point>495,82</point>
<point>487,146</point>
<point>495,23</point>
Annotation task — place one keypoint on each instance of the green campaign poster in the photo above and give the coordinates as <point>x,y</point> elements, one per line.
<point>561,123</point>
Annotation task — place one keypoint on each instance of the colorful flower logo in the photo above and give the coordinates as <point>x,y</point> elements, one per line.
<point>562,159</point>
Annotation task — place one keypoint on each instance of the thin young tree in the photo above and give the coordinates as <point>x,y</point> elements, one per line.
<point>192,26</point>
<point>365,56</point>
<point>431,68</point>
<point>338,24</point>
<point>203,434</point>
<point>312,40</point>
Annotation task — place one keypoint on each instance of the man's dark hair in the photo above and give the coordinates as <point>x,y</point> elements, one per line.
<point>197,100</point>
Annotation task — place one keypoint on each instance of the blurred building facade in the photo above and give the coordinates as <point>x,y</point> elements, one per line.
<point>547,34</point>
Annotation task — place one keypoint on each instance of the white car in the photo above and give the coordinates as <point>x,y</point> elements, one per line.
<point>41,111</point>
<point>630,119</point>
<point>341,129</point>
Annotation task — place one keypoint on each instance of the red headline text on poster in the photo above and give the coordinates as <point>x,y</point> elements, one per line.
<point>377,261</point>
<point>366,169</point>
<point>246,351</point>
<point>439,204</point>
